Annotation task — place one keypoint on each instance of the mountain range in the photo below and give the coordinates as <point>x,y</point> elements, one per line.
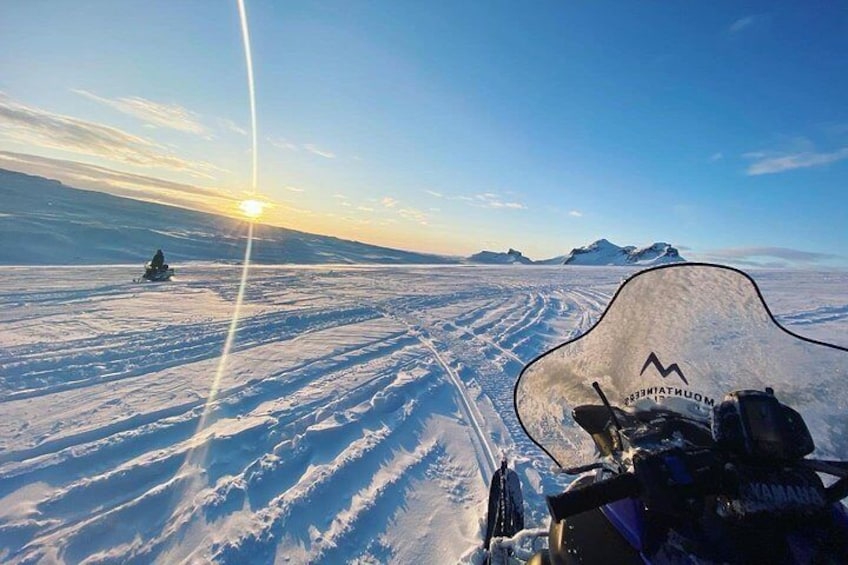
<point>44,222</point>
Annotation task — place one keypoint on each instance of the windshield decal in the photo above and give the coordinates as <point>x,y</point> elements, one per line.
<point>660,393</point>
<point>663,371</point>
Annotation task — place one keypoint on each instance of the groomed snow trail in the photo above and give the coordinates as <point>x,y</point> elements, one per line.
<point>359,418</point>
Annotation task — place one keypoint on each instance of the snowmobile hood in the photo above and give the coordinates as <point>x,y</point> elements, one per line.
<point>681,337</point>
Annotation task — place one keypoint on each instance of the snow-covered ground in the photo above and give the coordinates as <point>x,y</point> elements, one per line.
<point>357,418</point>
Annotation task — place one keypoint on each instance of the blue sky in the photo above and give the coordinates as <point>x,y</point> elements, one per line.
<point>451,127</point>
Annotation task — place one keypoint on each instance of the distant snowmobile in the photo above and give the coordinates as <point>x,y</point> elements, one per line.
<point>157,275</point>
<point>691,457</point>
<point>156,270</point>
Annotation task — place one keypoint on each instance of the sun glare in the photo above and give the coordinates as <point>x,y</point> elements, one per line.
<point>251,208</point>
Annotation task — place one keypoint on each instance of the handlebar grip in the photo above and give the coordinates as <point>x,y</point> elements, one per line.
<point>581,499</point>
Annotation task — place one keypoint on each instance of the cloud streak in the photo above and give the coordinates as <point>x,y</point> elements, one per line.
<point>172,116</point>
<point>490,200</point>
<point>766,256</point>
<point>320,152</point>
<point>287,145</point>
<point>34,126</point>
<point>231,126</point>
<point>773,163</point>
<point>119,183</point>
<point>742,23</point>
<point>280,143</point>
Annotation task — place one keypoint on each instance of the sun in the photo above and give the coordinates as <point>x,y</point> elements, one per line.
<point>251,208</point>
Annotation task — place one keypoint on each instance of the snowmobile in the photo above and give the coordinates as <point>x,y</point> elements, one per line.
<point>152,274</point>
<point>680,415</point>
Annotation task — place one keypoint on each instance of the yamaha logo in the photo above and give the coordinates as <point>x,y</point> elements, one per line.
<point>661,369</point>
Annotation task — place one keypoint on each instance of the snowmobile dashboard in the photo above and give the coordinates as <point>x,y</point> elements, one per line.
<point>755,426</point>
<point>753,439</point>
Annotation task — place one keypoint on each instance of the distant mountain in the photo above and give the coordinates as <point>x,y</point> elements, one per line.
<point>511,257</point>
<point>602,252</point>
<point>44,222</point>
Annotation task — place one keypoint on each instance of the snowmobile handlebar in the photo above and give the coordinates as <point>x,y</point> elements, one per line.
<point>573,502</point>
<point>663,479</point>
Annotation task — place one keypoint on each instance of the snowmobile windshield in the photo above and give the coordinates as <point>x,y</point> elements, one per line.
<point>680,337</point>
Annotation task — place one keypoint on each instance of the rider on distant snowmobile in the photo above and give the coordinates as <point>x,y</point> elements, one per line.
<point>158,261</point>
<point>156,270</point>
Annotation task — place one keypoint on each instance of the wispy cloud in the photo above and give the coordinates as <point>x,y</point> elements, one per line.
<point>576,213</point>
<point>280,143</point>
<point>391,207</point>
<point>768,256</point>
<point>742,23</point>
<point>294,189</point>
<point>142,187</point>
<point>29,125</point>
<point>716,157</point>
<point>767,163</point>
<point>490,200</point>
<point>320,152</point>
<point>172,116</point>
<point>414,215</point>
<point>483,200</point>
<point>231,126</point>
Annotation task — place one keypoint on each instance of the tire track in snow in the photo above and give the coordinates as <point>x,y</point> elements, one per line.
<point>239,399</point>
<point>382,431</point>
<point>477,361</point>
<point>147,477</point>
<point>469,409</point>
<point>202,343</point>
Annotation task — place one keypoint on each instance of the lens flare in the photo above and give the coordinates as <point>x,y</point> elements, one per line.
<point>251,208</point>
<point>245,34</point>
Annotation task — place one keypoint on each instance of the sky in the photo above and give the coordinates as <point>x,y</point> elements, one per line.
<point>451,127</point>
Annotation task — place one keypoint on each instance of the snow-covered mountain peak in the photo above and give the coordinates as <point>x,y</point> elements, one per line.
<point>511,257</point>
<point>604,252</point>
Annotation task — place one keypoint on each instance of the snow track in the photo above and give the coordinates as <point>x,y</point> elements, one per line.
<point>359,416</point>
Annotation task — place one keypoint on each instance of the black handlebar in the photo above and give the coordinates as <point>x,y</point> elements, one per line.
<point>581,499</point>
<point>665,480</point>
